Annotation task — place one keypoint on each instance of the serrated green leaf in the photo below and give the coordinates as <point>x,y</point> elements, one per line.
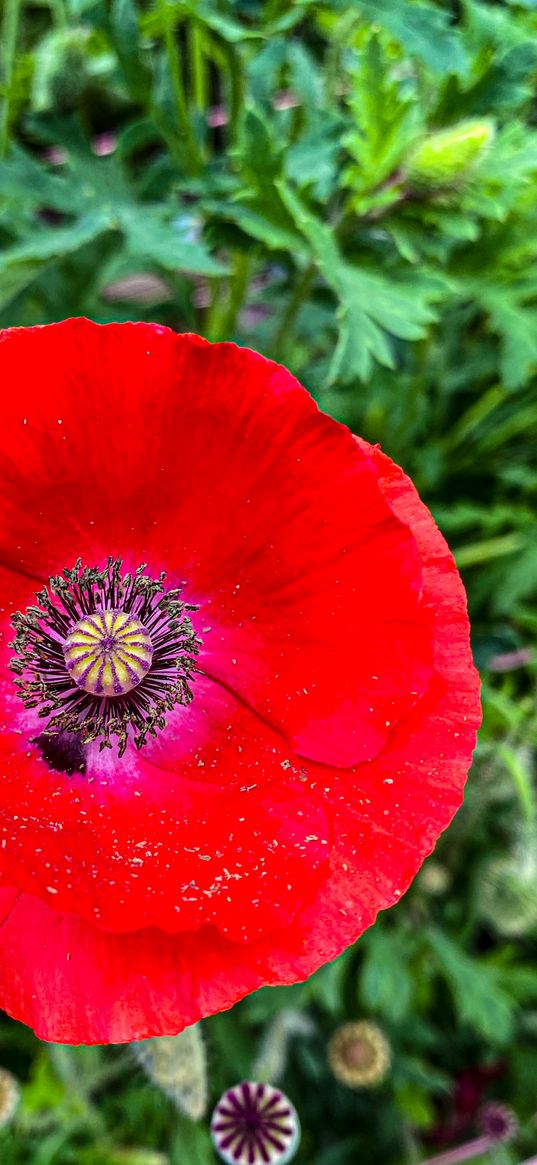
<point>15,278</point>
<point>477,996</point>
<point>386,984</point>
<point>517,327</point>
<point>192,1143</point>
<point>148,236</point>
<point>423,30</point>
<point>372,307</point>
<point>126,40</point>
<point>255,224</point>
<point>20,264</point>
<point>386,120</point>
<point>312,160</point>
<point>24,181</point>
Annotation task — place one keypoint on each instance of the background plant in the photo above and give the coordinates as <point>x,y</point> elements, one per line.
<point>351,189</point>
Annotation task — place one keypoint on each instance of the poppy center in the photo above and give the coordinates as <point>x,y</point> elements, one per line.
<point>104,656</point>
<point>108,653</point>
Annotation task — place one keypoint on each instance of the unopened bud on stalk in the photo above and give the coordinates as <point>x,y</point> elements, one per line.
<point>449,155</point>
<point>506,895</point>
<point>177,1065</point>
<point>434,879</point>
<point>9,1096</point>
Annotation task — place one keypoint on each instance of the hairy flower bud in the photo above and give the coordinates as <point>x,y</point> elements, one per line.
<point>9,1096</point>
<point>449,155</point>
<point>177,1065</point>
<point>507,891</point>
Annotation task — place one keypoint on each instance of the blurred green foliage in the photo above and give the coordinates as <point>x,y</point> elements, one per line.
<point>350,188</point>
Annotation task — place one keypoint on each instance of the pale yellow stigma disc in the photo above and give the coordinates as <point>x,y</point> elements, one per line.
<point>108,653</point>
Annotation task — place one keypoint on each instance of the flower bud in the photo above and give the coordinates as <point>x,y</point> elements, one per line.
<point>434,879</point>
<point>177,1065</point>
<point>448,155</point>
<point>9,1096</point>
<point>507,892</point>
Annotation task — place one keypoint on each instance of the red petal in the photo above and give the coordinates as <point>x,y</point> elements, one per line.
<point>76,984</point>
<point>388,815</point>
<point>208,823</point>
<point>213,463</point>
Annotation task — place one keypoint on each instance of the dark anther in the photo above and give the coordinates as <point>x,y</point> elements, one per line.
<point>63,752</point>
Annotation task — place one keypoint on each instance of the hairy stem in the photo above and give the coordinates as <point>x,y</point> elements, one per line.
<point>178,89</point>
<point>300,293</point>
<point>10,25</point>
<point>465,1152</point>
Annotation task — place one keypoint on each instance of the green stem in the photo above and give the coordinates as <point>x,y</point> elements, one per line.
<point>59,13</point>
<point>476,1148</point>
<point>236,92</point>
<point>300,293</point>
<point>522,782</point>
<point>176,77</point>
<point>10,25</point>
<point>224,313</point>
<point>199,72</point>
<point>340,39</point>
<point>477,553</point>
<point>211,313</point>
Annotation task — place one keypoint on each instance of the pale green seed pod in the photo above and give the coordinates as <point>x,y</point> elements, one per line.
<point>449,155</point>
<point>177,1065</point>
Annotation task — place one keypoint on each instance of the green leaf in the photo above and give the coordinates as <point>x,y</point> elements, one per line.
<point>20,264</point>
<point>387,119</point>
<point>516,325</point>
<point>147,235</point>
<point>478,998</point>
<point>312,160</point>
<point>192,1143</point>
<point>258,207</point>
<point>372,307</point>
<point>253,222</point>
<point>25,182</point>
<point>226,26</point>
<point>325,987</point>
<point>415,1105</point>
<point>423,30</point>
<point>386,985</point>
<point>126,41</point>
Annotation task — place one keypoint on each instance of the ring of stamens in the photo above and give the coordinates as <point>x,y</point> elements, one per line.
<point>104,654</point>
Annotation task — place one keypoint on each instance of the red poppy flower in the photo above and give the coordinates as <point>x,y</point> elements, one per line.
<point>212,778</point>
